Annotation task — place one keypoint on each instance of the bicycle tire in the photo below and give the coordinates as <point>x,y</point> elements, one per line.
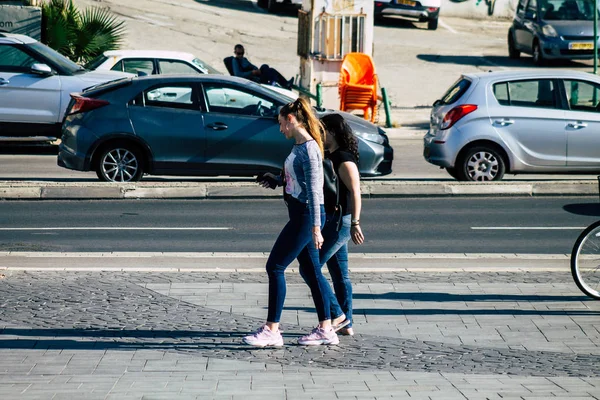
<point>585,261</point>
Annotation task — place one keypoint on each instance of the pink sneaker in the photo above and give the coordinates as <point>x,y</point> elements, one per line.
<point>319,336</point>
<point>264,337</point>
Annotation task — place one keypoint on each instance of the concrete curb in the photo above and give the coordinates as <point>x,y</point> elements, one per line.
<point>246,190</point>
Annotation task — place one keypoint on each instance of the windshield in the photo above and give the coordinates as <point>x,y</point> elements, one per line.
<point>96,62</point>
<point>56,58</point>
<point>207,69</point>
<point>567,10</point>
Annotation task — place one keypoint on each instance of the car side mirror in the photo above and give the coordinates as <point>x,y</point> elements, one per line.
<point>41,69</point>
<point>530,15</point>
<point>437,103</point>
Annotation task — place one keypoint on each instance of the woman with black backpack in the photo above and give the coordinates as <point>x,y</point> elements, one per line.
<point>342,150</point>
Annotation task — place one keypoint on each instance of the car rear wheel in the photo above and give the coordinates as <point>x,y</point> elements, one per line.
<point>452,172</point>
<point>119,163</point>
<point>512,50</point>
<point>432,24</point>
<point>481,164</point>
<point>538,56</point>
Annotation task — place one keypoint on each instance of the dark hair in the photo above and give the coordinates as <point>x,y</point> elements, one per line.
<point>238,46</point>
<point>337,126</point>
<point>302,110</point>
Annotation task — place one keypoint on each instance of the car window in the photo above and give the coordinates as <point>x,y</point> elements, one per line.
<point>582,96</point>
<point>567,10</point>
<point>455,92</point>
<point>135,66</point>
<point>232,100</point>
<point>521,6</point>
<point>14,59</point>
<point>532,8</point>
<point>56,59</point>
<point>531,93</point>
<point>175,67</point>
<point>169,96</point>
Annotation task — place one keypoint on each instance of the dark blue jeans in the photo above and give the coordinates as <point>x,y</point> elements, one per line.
<point>270,76</point>
<point>334,252</point>
<point>296,237</point>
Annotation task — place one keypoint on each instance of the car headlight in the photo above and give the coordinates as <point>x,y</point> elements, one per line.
<point>372,137</point>
<point>548,30</point>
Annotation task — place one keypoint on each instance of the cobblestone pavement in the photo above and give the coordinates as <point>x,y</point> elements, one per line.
<point>422,335</point>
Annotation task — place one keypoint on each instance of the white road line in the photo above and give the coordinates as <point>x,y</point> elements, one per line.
<point>119,228</point>
<point>446,26</point>
<point>527,228</point>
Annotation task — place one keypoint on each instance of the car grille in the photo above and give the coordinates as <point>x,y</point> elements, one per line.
<point>577,37</point>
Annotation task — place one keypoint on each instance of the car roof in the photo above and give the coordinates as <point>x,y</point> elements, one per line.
<point>6,37</point>
<point>179,55</point>
<point>524,74</point>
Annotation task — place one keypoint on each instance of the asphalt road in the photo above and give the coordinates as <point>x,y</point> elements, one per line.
<point>38,163</point>
<point>541,225</point>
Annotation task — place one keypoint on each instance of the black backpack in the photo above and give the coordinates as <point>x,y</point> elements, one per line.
<point>331,192</point>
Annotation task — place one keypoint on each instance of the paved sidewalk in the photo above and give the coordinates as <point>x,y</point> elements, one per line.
<point>441,334</point>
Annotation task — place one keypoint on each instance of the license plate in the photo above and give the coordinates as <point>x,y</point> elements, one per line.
<point>407,2</point>
<point>581,46</point>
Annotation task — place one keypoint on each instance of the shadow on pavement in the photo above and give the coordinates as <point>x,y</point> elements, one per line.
<point>439,297</point>
<point>29,149</point>
<point>494,61</point>
<point>248,6</point>
<point>453,311</point>
<point>589,209</point>
<point>391,22</point>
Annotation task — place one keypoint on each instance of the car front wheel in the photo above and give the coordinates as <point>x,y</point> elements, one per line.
<point>512,50</point>
<point>538,56</point>
<point>119,163</point>
<point>481,164</point>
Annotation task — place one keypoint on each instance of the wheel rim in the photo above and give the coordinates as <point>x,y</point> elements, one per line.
<point>119,165</point>
<point>483,166</point>
<point>587,266</point>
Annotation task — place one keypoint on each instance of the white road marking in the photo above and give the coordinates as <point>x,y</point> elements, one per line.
<point>446,26</point>
<point>526,228</point>
<point>119,228</point>
<point>152,21</point>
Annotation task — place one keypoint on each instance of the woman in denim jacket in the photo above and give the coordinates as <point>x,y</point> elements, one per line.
<point>342,149</point>
<point>304,198</point>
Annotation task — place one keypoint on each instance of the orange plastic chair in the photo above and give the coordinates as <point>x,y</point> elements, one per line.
<point>358,85</point>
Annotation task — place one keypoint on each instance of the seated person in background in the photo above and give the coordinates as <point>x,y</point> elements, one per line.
<point>241,67</point>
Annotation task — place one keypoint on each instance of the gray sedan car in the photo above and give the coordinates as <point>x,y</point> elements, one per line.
<point>200,125</point>
<point>489,124</point>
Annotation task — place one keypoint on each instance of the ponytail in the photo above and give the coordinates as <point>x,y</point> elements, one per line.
<point>302,110</point>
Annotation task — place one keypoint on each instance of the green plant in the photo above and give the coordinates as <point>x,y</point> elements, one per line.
<point>80,35</point>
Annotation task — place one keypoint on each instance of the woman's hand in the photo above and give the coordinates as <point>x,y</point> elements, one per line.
<point>317,237</point>
<point>357,235</point>
<point>267,180</point>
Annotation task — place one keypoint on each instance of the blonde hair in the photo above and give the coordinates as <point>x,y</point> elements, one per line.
<point>302,110</point>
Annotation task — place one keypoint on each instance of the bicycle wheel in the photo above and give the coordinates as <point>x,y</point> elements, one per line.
<point>585,261</point>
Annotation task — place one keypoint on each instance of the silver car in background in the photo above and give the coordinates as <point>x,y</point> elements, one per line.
<point>489,124</point>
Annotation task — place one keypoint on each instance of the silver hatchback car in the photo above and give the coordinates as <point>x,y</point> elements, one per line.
<point>489,124</point>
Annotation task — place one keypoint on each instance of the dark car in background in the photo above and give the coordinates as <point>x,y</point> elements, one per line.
<point>201,125</point>
<point>416,10</point>
<point>552,29</point>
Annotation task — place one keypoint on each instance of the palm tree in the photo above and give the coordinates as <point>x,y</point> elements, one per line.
<point>80,36</point>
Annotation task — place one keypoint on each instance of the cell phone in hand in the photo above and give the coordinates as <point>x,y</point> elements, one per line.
<point>262,178</point>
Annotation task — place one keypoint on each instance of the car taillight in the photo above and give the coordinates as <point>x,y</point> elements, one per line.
<point>84,104</point>
<point>454,115</point>
<point>378,4</point>
<point>432,9</point>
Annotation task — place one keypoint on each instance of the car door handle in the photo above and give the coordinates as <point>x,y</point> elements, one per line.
<point>577,125</point>
<point>217,126</point>
<point>504,122</point>
<point>4,82</point>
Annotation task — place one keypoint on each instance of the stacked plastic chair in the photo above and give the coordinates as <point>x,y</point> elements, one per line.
<point>358,85</point>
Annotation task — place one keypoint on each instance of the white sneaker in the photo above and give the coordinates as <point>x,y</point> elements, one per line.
<point>319,336</point>
<point>264,337</point>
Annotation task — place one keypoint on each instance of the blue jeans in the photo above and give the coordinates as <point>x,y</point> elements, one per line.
<point>296,237</point>
<point>334,252</point>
